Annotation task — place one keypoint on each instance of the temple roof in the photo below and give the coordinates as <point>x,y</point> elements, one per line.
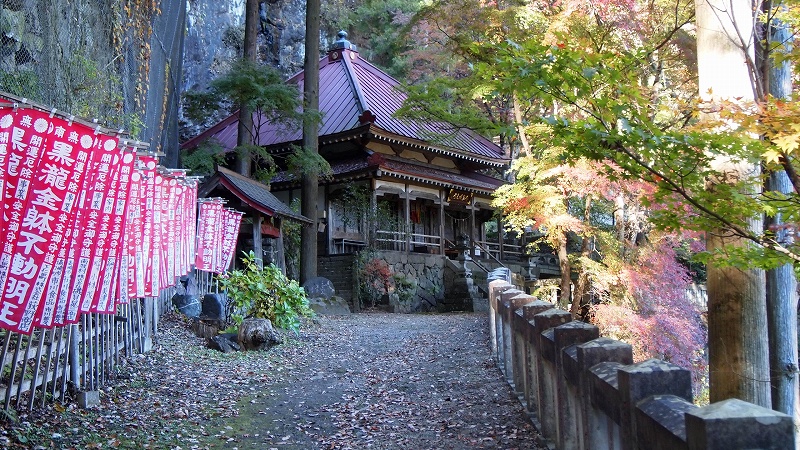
<point>382,166</point>
<point>358,99</point>
<point>251,193</point>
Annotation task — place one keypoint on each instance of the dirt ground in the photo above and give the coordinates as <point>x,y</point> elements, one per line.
<point>370,380</point>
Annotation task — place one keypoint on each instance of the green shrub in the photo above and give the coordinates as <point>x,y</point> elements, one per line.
<point>265,293</point>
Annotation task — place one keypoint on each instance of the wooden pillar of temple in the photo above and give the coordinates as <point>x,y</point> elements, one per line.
<point>257,219</point>
<point>442,246</point>
<point>372,220</point>
<point>500,237</point>
<point>472,227</point>
<point>408,219</point>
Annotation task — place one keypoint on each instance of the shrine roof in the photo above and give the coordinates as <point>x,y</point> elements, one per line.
<point>380,166</point>
<point>357,98</point>
<point>250,192</point>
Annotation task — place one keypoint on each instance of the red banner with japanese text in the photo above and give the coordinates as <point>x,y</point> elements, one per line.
<point>208,234</point>
<point>44,177</point>
<point>230,234</point>
<point>115,209</point>
<point>91,241</point>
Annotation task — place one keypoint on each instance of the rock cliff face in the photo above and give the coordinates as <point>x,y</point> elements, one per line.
<point>215,32</point>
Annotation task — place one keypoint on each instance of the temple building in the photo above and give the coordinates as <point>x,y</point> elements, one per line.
<point>403,187</point>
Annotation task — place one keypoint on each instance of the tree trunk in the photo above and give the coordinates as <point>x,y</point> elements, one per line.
<point>308,249</point>
<point>781,282</point>
<point>580,298</point>
<point>737,332</point>
<point>737,329</point>
<point>245,130</point>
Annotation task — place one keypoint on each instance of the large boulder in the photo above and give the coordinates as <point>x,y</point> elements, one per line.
<point>333,306</point>
<point>258,334</point>
<point>214,306</point>
<point>319,287</point>
<point>188,305</point>
<point>226,343</point>
<point>187,284</point>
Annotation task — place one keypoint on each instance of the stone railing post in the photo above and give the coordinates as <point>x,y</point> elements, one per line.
<point>532,355</point>
<point>548,408</point>
<point>606,431</point>
<point>590,354</point>
<point>647,378</point>
<point>496,287</point>
<point>567,337</point>
<point>734,424</point>
<point>506,309</point>
<point>661,422</point>
<point>519,325</point>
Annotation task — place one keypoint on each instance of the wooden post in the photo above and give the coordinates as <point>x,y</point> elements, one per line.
<point>472,228</point>
<point>500,237</point>
<point>372,223</point>
<point>408,219</point>
<point>281,250</point>
<point>441,222</point>
<point>257,239</point>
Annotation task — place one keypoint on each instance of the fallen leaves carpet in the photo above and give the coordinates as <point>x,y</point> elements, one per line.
<point>369,380</point>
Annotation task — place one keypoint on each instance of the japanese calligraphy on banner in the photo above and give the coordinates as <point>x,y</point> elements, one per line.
<point>86,223</point>
<point>208,227</point>
<point>44,176</point>
<point>230,232</point>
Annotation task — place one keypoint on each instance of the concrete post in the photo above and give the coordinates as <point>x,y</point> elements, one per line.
<point>605,434</point>
<point>495,288</point>
<point>506,309</point>
<point>661,422</point>
<point>590,354</point>
<point>568,399</point>
<point>548,409</point>
<point>638,381</point>
<point>733,424</point>
<point>518,350</point>
<point>531,391</point>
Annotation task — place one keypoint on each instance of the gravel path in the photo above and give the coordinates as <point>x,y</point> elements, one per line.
<point>370,380</point>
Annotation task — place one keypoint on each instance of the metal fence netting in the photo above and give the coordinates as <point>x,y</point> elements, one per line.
<point>118,62</point>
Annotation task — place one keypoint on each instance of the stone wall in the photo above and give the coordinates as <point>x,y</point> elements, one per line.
<point>584,392</point>
<point>425,272</point>
<point>339,269</point>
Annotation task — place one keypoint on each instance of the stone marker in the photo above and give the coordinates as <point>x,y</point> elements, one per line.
<point>188,305</point>
<point>319,287</point>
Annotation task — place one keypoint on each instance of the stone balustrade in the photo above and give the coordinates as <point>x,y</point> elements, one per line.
<point>583,391</point>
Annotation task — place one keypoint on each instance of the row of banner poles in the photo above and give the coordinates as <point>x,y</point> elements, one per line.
<point>90,221</point>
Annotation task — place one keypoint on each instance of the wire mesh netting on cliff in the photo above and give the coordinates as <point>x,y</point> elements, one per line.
<point>117,62</point>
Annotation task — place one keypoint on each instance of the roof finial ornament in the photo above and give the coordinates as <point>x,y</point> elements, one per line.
<point>342,42</point>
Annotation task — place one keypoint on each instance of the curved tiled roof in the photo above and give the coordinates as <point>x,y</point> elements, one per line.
<point>354,93</point>
<point>394,168</point>
<point>252,193</point>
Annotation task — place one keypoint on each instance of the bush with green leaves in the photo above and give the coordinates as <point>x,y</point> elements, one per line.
<point>265,293</point>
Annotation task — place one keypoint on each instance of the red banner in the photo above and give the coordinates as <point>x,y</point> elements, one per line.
<point>209,235</point>
<point>230,234</point>
<point>92,242</point>
<point>44,176</point>
<point>114,210</point>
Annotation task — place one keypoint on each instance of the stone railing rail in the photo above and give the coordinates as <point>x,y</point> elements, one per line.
<point>583,391</point>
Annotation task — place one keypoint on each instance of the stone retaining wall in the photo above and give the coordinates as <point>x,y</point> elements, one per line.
<point>584,392</point>
<point>425,271</point>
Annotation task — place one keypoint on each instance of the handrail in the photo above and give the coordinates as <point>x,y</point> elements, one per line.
<point>478,244</point>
